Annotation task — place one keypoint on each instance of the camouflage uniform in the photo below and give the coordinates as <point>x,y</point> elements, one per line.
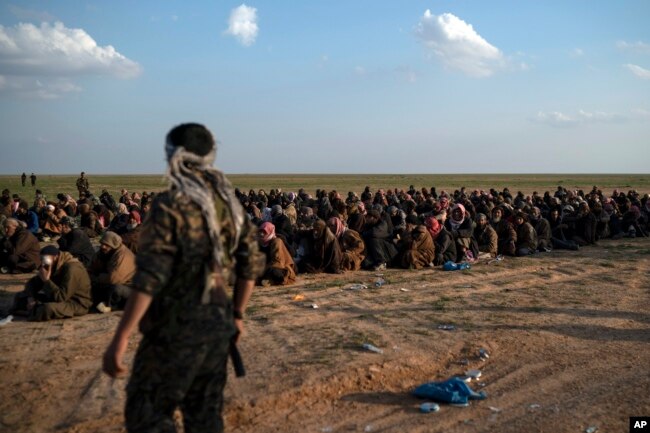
<point>181,361</point>
<point>82,184</point>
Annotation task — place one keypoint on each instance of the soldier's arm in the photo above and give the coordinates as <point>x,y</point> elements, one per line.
<point>136,306</point>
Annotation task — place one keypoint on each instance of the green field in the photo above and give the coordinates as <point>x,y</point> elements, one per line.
<point>527,183</point>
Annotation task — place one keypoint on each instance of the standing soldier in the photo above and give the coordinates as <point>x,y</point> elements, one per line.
<point>82,183</point>
<point>194,243</point>
<point>33,179</point>
<point>23,178</point>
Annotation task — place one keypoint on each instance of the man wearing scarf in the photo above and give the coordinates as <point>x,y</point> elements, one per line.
<point>352,246</point>
<point>195,244</point>
<point>280,268</point>
<point>326,253</point>
<point>416,248</point>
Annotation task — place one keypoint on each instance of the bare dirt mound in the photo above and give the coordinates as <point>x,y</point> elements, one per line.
<point>568,335</point>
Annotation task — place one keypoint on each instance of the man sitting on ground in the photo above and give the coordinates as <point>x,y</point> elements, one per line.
<point>76,242</point>
<point>486,237</point>
<point>19,249</point>
<point>61,289</point>
<point>112,272</point>
<point>416,248</point>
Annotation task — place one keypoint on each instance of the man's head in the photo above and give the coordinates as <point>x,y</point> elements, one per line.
<point>83,174</point>
<point>193,137</point>
<point>497,213</point>
<point>23,208</point>
<point>520,218</point>
<point>109,242</point>
<point>66,225</point>
<point>11,225</point>
<point>481,219</point>
<point>411,222</point>
<point>134,220</point>
<point>49,256</point>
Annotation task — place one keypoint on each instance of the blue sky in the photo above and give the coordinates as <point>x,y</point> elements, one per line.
<point>328,87</point>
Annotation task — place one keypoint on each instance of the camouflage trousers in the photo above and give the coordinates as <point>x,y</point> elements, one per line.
<point>178,373</point>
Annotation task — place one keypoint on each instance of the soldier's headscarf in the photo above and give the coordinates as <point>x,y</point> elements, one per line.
<point>191,152</point>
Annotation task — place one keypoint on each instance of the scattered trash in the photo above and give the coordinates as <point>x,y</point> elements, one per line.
<point>327,429</point>
<point>464,361</point>
<point>465,286</point>
<point>534,406</point>
<point>6,320</point>
<point>372,348</point>
<point>314,306</point>
<point>356,287</point>
<point>452,391</point>
<point>483,354</point>
<point>404,290</point>
<point>592,429</point>
<point>429,407</point>
<point>459,404</point>
<point>496,259</point>
<point>368,428</point>
<point>451,266</point>
<point>482,384</point>
<point>380,282</point>
<point>299,297</point>
<point>465,379</point>
<point>474,374</point>
<point>494,409</point>
<point>446,327</point>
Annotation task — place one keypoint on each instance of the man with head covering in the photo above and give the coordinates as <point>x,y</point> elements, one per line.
<point>325,255</point>
<point>60,290</point>
<point>195,244</point>
<point>131,237</point>
<point>280,268</point>
<point>416,249</point>
<point>89,221</point>
<point>462,230</point>
<point>351,243</point>
<point>380,250</point>
<point>120,220</point>
<point>282,223</point>
<point>76,242</point>
<point>445,247</point>
<point>19,249</point>
<point>542,230</point>
<point>486,238</point>
<point>505,231</point>
<point>526,236</point>
<point>111,273</point>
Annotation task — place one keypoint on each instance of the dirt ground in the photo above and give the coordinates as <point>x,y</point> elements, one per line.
<point>568,335</point>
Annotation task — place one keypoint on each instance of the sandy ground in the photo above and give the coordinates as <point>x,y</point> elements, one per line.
<point>568,335</point>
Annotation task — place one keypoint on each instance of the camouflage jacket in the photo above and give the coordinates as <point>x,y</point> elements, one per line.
<point>174,256</point>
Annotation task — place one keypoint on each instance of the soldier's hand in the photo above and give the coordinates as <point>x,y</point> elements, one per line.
<point>112,361</point>
<point>239,324</point>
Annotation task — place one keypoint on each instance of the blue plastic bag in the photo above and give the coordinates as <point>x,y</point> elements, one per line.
<point>451,266</point>
<point>453,390</point>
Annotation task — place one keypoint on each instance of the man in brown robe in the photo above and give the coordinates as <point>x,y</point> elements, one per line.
<point>326,252</point>
<point>416,248</point>
<point>280,268</point>
<point>351,243</point>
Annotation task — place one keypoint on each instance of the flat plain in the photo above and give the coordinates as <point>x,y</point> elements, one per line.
<point>568,334</point>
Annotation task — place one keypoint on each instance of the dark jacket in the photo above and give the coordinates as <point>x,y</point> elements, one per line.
<point>78,244</point>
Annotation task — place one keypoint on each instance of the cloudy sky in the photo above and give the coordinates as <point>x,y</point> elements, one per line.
<point>328,87</point>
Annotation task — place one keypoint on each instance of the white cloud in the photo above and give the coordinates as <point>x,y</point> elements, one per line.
<point>360,70</point>
<point>637,46</point>
<point>59,51</point>
<point>638,71</point>
<point>242,24</point>
<point>458,45</point>
<point>562,120</point>
<point>41,61</point>
<point>641,113</point>
<point>555,118</point>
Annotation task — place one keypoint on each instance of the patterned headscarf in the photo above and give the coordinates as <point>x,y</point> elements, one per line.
<point>266,233</point>
<point>189,175</point>
<point>337,224</point>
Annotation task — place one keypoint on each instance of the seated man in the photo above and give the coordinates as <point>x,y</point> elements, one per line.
<point>445,247</point>
<point>352,246</point>
<point>19,249</point>
<point>542,230</point>
<point>486,237</point>
<point>380,250</point>
<point>111,273</point>
<point>76,242</point>
<point>131,237</point>
<point>526,236</point>
<point>416,248</point>
<point>89,223</point>
<point>29,217</point>
<point>280,268</point>
<point>61,289</point>
<point>325,255</point>
<point>505,232</point>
